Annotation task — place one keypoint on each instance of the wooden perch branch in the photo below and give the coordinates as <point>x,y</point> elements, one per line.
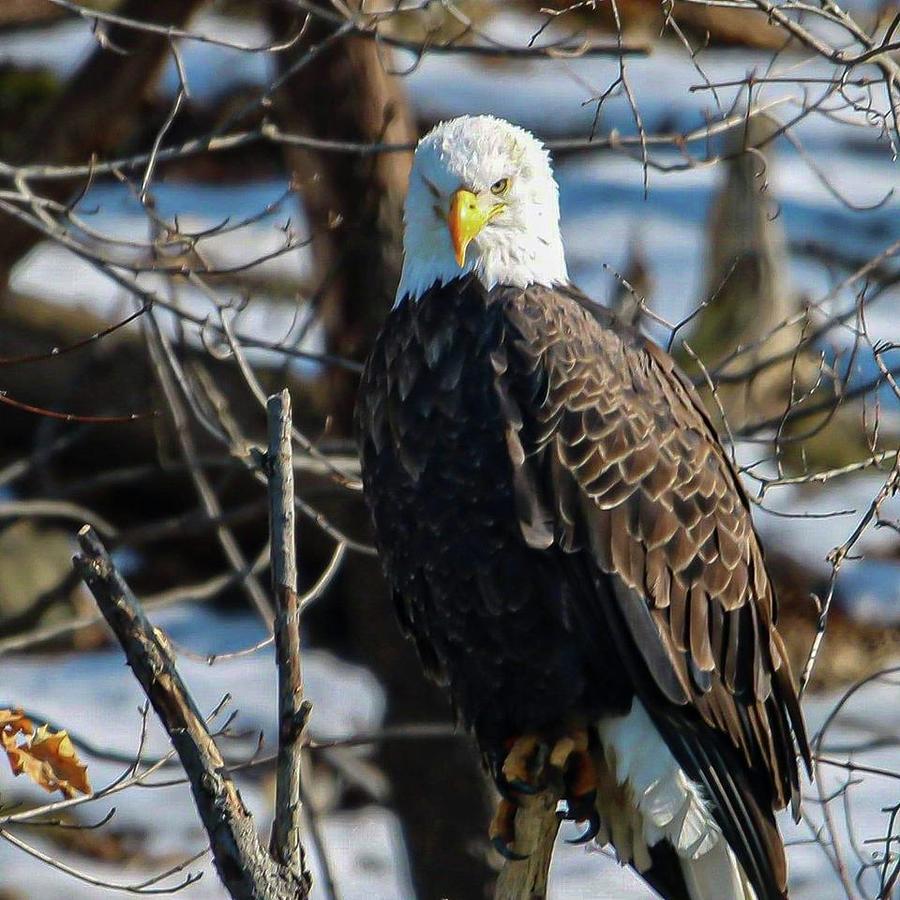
<point>536,827</point>
<point>246,869</point>
<point>293,710</point>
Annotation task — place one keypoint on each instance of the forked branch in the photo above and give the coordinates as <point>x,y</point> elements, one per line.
<point>246,869</point>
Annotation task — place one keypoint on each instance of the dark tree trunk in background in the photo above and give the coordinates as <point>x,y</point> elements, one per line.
<point>438,789</point>
<point>354,206</point>
<point>353,203</point>
<point>747,282</point>
<point>96,110</point>
<point>28,13</point>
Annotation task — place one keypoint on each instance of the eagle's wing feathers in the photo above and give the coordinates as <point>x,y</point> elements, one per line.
<point>617,460</point>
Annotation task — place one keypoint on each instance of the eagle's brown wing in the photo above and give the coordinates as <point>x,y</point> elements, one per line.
<point>615,460</point>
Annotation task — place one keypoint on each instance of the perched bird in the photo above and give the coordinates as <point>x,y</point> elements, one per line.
<point>568,543</point>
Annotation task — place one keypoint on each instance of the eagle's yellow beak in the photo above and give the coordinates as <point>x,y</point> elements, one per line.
<point>466,219</point>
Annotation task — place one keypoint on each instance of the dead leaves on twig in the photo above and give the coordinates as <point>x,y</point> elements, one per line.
<point>47,757</point>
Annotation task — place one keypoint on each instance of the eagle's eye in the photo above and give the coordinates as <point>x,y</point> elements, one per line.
<point>500,187</point>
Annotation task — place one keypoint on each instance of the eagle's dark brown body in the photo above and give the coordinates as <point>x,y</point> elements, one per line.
<point>490,613</point>
<point>563,531</point>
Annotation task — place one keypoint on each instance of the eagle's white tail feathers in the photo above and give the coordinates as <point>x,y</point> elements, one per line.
<point>716,875</point>
<point>650,798</point>
<point>670,804</point>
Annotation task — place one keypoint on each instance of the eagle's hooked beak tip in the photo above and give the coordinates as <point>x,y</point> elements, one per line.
<point>465,220</point>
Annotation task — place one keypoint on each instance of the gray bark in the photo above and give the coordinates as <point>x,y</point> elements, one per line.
<point>246,869</point>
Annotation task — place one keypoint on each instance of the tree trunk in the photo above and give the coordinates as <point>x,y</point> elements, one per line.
<point>748,291</point>
<point>353,203</point>
<point>28,13</point>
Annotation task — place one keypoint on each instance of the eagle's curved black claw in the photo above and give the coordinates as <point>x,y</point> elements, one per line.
<point>592,830</point>
<point>506,851</point>
<point>503,830</point>
<point>533,764</point>
<point>512,790</point>
<point>522,787</point>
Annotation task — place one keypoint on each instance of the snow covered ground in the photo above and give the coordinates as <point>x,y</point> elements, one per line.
<point>603,211</point>
<point>97,697</point>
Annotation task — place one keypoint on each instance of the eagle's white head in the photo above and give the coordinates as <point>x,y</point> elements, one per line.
<point>481,198</point>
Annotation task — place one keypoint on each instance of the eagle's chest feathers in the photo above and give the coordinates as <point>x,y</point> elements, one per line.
<point>438,407</point>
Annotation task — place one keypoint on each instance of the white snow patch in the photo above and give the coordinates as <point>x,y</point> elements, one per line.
<point>96,696</point>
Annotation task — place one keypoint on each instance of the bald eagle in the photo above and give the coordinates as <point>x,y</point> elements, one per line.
<point>568,543</point>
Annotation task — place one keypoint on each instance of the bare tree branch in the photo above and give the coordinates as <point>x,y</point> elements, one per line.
<point>246,870</point>
<point>536,828</point>
<point>293,710</point>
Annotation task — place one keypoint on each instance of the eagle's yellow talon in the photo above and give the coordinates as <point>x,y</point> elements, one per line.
<point>518,767</point>
<point>561,752</point>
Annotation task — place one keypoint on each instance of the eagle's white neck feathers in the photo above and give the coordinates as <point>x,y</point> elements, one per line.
<point>519,247</point>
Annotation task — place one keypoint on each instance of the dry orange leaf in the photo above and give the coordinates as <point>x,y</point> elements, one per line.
<point>47,757</point>
<point>13,722</point>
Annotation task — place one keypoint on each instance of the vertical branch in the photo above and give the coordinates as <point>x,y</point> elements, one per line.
<point>286,846</point>
<point>536,827</point>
